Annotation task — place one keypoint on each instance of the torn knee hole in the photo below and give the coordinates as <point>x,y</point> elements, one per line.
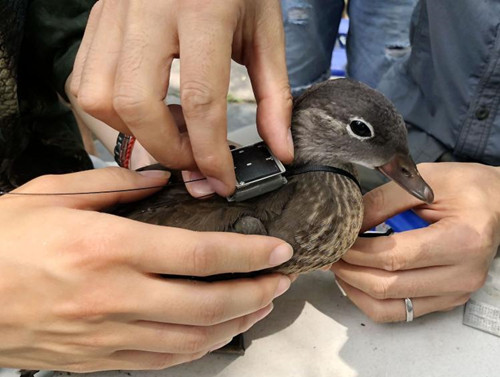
<point>299,15</point>
<point>397,51</point>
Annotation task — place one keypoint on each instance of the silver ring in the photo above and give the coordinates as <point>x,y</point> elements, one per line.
<point>409,310</point>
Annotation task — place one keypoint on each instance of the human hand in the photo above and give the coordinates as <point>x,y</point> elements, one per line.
<point>438,267</point>
<point>140,157</point>
<point>121,76</point>
<point>81,291</point>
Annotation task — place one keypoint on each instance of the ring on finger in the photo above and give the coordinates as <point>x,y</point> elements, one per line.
<point>408,309</point>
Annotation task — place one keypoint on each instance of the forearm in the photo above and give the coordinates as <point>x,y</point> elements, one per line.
<point>496,200</point>
<point>101,130</point>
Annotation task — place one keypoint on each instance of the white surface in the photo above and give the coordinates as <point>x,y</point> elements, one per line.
<point>315,331</point>
<point>245,135</point>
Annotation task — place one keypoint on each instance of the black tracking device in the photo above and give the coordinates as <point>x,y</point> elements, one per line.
<point>257,171</point>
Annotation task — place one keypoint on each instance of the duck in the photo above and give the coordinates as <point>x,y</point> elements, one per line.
<point>338,124</point>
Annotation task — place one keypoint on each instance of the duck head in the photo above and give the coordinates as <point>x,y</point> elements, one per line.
<point>344,121</point>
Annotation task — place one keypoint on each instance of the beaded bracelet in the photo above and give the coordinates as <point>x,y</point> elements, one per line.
<point>123,149</point>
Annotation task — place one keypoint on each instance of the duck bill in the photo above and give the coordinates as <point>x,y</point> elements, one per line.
<point>402,170</point>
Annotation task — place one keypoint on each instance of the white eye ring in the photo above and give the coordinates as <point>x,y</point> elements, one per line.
<point>360,134</point>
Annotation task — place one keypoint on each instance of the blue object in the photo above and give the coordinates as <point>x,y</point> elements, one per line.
<point>406,221</point>
<point>339,56</point>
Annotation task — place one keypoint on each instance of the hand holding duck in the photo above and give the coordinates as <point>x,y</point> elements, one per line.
<point>438,267</point>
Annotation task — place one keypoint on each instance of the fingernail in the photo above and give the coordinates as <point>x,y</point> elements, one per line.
<point>280,254</point>
<point>283,286</point>
<point>196,183</point>
<point>218,186</point>
<point>155,173</point>
<point>290,142</point>
<point>220,345</point>
<point>340,288</point>
<point>263,313</point>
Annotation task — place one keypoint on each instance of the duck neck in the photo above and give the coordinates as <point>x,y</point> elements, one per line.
<point>316,144</point>
<point>300,160</point>
<point>309,154</point>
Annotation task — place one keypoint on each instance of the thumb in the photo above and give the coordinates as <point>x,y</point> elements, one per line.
<point>94,189</point>
<point>384,202</point>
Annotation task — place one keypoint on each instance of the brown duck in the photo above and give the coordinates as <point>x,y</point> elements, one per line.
<point>338,123</point>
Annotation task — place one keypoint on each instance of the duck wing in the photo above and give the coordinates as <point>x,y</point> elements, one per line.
<point>173,206</point>
<point>321,221</point>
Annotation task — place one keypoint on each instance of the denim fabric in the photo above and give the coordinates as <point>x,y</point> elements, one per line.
<point>448,88</point>
<point>311,29</point>
<point>444,79</point>
<point>378,37</point>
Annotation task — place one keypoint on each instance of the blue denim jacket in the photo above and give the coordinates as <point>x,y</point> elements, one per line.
<point>448,88</point>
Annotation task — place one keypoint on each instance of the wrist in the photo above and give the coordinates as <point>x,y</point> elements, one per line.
<point>140,157</point>
<point>495,186</point>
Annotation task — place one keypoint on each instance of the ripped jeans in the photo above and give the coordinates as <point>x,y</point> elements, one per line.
<point>378,36</point>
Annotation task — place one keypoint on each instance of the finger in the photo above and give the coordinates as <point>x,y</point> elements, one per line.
<point>197,184</point>
<point>394,310</point>
<point>140,157</point>
<point>81,56</point>
<point>170,338</point>
<point>268,73</point>
<point>95,93</point>
<point>88,185</point>
<point>141,85</point>
<point>205,70</point>
<point>386,201</point>
<point>182,252</point>
<point>200,303</point>
<point>413,249</point>
<point>379,284</point>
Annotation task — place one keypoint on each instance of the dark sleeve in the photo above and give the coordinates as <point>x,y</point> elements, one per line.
<point>54,29</point>
<point>45,138</point>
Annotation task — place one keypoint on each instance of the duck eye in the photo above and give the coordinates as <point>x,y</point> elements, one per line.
<point>361,129</point>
